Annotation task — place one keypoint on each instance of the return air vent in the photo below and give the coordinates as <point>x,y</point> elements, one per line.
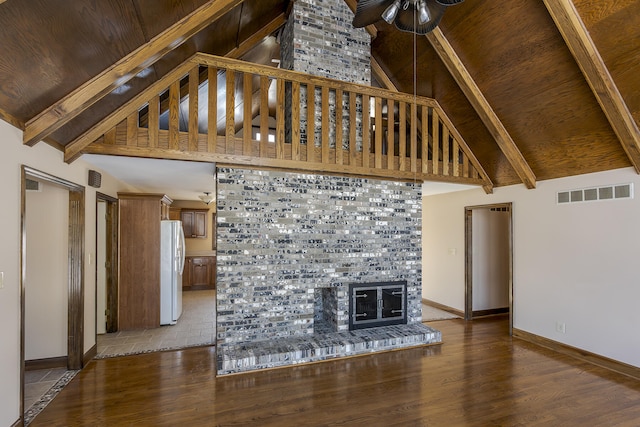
<point>31,185</point>
<point>608,192</point>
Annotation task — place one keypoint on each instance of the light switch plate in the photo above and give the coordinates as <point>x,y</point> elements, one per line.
<point>1,279</point>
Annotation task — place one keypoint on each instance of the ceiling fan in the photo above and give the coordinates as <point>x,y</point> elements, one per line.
<point>414,16</point>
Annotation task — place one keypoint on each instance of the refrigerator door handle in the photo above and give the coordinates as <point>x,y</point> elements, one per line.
<point>182,253</point>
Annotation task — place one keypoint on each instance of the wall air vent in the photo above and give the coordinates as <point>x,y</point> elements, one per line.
<point>31,185</point>
<point>607,192</point>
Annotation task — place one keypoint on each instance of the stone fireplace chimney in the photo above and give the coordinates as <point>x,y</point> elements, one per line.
<point>319,40</point>
<point>291,244</point>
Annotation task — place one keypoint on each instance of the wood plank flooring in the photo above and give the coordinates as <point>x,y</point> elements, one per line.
<point>479,377</point>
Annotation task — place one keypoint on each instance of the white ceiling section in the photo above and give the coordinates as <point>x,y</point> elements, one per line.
<point>177,179</point>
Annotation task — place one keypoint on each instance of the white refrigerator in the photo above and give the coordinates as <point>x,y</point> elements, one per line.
<point>171,266</point>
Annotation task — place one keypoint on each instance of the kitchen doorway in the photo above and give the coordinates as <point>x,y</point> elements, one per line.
<point>489,261</point>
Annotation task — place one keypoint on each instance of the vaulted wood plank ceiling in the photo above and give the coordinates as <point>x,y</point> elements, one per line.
<point>514,53</point>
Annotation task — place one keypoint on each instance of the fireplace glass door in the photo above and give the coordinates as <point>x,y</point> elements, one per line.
<point>377,304</point>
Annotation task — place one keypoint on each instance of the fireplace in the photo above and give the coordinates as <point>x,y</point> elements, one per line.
<point>377,304</point>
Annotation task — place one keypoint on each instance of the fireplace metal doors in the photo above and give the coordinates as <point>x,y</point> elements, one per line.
<point>377,304</point>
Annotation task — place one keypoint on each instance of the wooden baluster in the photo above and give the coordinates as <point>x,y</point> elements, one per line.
<point>154,121</point>
<point>402,118</point>
<point>230,108</point>
<point>132,129</point>
<point>414,137</point>
<point>456,157</point>
<point>339,158</point>
<point>391,135</point>
<point>465,165</point>
<point>295,121</point>
<point>425,139</point>
<point>212,106</point>
<point>174,116</point>
<point>366,131</point>
<point>445,151</point>
<point>247,114</point>
<point>436,142</point>
<point>352,128</point>
<point>194,83</point>
<point>280,112</point>
<point>378,133</point>
<point>324,115</point>
<point>311,118</point>
<point>264,116</point>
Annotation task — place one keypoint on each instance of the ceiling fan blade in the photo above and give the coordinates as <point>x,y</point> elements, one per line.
<point>407,20</point>
<point>369,11</point>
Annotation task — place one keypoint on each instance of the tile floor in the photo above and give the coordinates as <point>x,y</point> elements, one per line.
<point>195,327</point>
<point>431,313</point>
<point>40,387</point>
<point>38,382</point>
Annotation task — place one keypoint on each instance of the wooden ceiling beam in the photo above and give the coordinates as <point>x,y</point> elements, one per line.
<point>74,149</point>
<point>381,75</point>
<point>486,113</point>
<point>11,119</point>
<point>246,45</point>
<point>586,54</point>
<point>63,111</point>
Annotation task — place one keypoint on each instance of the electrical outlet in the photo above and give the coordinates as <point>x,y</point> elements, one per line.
<point>561,327</point>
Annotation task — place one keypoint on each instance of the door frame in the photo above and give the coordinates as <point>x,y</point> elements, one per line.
<point>76,284</point>
<point>468,270</point>
<point>111,260</point>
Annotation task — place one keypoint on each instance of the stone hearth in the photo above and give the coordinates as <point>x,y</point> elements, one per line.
<point>235,358</point>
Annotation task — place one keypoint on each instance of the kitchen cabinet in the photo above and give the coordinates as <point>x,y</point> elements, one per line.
<point>194,223</point>
<point>139,281</point>
<point>175,214</point>
<point>199,273</point>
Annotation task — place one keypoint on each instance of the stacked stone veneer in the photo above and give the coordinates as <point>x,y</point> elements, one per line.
<point>284,236</point>
<point>319,39</point>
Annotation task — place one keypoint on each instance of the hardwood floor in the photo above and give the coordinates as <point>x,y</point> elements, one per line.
<point>480,376</point>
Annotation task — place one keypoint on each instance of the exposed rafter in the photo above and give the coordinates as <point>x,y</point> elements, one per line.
<point>75,147</point>
<point>597,74</point>
<point>256,37</point>
<point>381,75</point>
<point>9,118</point>
<point>60,113</point>
<point>475,96</point>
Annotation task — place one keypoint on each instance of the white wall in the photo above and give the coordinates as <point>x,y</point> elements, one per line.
<point>490,247</point>
<point>49,160</point>
<point>575,263</point>
<point>47,277</point>
<point>101,277</point>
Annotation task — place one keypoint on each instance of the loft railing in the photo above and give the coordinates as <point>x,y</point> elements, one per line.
<point>237,113</point>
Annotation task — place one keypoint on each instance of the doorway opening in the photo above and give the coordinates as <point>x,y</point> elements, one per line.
<point>489,261</point>
<point>106,264</point>
<point>67,350</point>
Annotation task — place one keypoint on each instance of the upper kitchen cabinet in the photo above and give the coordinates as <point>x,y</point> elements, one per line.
<point>194,223</point>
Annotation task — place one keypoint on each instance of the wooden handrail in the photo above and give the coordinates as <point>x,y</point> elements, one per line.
<point>269,117</point>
